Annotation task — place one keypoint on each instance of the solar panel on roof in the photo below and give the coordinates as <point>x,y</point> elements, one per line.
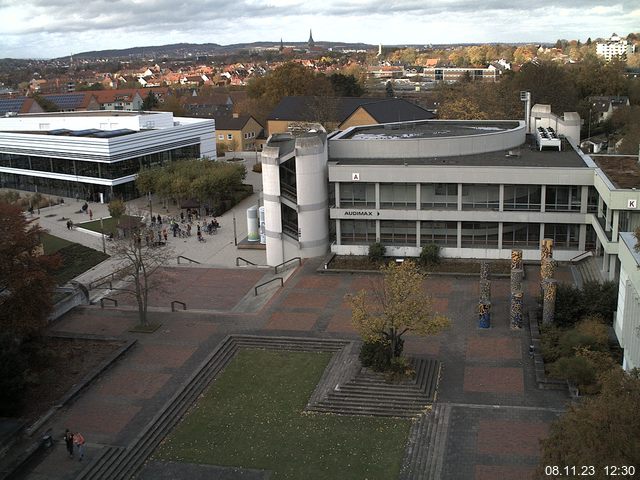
<point>66,101</point>
<point>11,105</point>
<point>114,133</point>
<point>84,133</point>
<point>59,131</point>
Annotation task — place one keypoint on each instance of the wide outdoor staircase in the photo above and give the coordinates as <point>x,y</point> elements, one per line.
<point>587,270</point>
<point>424,456</point>
<point>119,463</point>
<point>369,393</point>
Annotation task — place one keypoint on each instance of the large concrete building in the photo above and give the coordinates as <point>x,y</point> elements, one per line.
<point>95,154</point>
<point>475,188</point>
<point>627,318</point>
<point>614,47</point>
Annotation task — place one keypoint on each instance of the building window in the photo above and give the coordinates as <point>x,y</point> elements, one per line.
<point>479,235</point>
<point>480,197</point>
<point>563,235</point>
<point>357,195</point>
<point>398,233</point>
<point>398,195</point>
<point>522,197</point>
<point>439,196</point>
<point>229,136</point>
<point>221,137</point>
<point>520,235</point>
<point>444,234</point>
<point>592,200</point>
<point>563,198</point>
<point>357,232</point>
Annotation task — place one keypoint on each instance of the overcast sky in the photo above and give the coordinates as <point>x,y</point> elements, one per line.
<point>53,28</point>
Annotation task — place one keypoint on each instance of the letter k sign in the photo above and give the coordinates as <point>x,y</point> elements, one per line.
<point>632,203</point>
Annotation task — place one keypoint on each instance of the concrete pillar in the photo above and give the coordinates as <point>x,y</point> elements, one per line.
<point>543,198</point>
<point>484,315</point>
<point>459,244</point>
<point>271,199</point>
<point>459,199</point>
<point>501,198</point>
<point>516,309</point>
<point>613,263</point>
<point>582,238</point>
<point>337,194</point>
<point>338,232</point>
<point>584,199</point>
<point>378,198</point>
<point>418,196</point>
<point>607,222</point>
<point>549,289</point>
<point>614,225</point>
<point>418,242</point>
<point>500,230</point>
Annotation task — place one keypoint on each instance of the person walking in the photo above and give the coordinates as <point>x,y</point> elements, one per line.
<point>79,441</point>
<point>90,214</point>
<point>68,440</point>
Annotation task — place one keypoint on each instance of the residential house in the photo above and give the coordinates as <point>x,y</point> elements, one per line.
<point>237,133</point>
<point>615,47</point>
<point>342,112</point>
<point>74,102</point>
<point>10,106</point>
<point>602,108</point>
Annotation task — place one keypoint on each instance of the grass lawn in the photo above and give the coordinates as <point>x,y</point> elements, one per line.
<point>252,417</point>
<point>76,258</point>
<point>110,224</point>
<point>51,243</point>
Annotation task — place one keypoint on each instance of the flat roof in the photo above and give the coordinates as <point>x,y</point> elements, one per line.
<point>622,170</point>
<point>88,113</point>
<point>428,129</point>
<point>525,156</point>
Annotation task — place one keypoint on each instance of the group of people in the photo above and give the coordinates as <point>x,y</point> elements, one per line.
<point>75,443</point>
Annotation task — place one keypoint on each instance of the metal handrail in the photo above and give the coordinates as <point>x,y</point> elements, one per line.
<point>586,254</point>
<point>110,276</point>
<point>275,270</point>
<point>249,262</point>
<point>115,302</point>
<point>255,290</point>
<point>173,305</point>
<point>187,258</point>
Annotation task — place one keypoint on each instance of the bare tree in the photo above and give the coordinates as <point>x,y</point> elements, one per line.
<point>141,256</point>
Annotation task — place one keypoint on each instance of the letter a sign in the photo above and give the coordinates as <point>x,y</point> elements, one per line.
<point>355,177</point>
<point>632,203</point>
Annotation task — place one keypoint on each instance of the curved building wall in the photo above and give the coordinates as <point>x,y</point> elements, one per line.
<point>442,146</point>
<point>272,212</point>
<point>312,195</point>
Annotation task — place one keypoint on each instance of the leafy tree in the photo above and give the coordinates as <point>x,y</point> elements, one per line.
<point>395,305</point>
<point>140,260</point>
<point>345,85</point>
<point>46,104</point>
<point>430,255</point>
<point>26,281</point>
<point>117,208</point>
<point>13,365</point>
<point>600,431</point>
<point>288,79</point>
<point>389,89</point>
<point>149,103</point>
<point>377,251</point>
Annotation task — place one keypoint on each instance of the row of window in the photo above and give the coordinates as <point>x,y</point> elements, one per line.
<point>246,135</point>
<point>473,234</point>
<point>83,168</point>
<point>444,196</point>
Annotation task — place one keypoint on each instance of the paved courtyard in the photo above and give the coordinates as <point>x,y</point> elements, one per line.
<point>497,412</point>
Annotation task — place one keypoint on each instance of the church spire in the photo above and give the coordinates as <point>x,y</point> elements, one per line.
<point>281,45</point>
<point>311,42</point>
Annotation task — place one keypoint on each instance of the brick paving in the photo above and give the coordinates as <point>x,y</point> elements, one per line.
<point>497,415</point>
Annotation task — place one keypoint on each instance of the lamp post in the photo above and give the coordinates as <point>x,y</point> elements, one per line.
<point>589,134</point>
<point>235,237</point>
<point>104,249</point>
<point>150,206</point>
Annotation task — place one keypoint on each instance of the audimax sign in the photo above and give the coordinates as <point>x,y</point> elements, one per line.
<point>361,213</point>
